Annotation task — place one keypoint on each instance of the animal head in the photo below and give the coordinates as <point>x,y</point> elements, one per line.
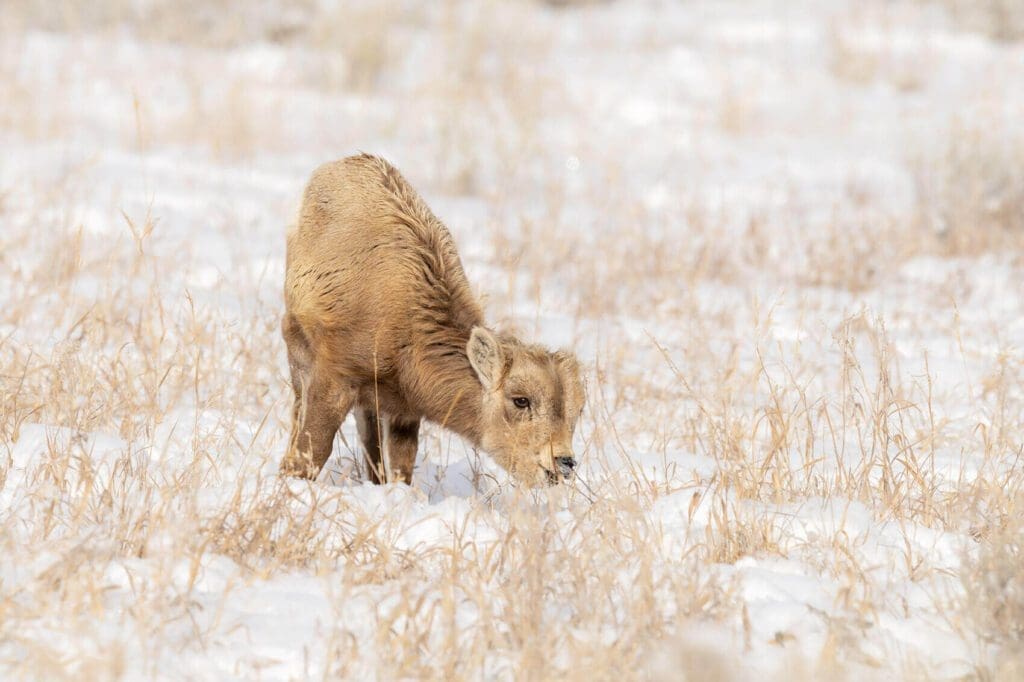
<point>532,399</point>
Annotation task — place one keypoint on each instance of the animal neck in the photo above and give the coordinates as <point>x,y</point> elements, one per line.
<point>445,384</point>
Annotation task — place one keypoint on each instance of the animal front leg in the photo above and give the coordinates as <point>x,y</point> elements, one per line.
<point>403,439</point>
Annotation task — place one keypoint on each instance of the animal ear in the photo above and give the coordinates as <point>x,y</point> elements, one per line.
<point>567,360</point>
<point>571,373</point>
<point>484,355</point>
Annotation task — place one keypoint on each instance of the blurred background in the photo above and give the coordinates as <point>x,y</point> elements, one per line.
<point>809,142</point>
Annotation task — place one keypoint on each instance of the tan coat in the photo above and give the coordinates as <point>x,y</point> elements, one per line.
<point>379,317</point>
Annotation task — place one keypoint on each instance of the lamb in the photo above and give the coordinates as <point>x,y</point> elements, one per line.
<point>379,318</point>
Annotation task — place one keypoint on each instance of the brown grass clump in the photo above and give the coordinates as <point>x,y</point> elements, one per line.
<point>188,21</point>
<point>970,191</point>
<point>993,583</point>
<point>1001,20</point>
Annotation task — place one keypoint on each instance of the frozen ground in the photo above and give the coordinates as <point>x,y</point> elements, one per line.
<point>784,238</point>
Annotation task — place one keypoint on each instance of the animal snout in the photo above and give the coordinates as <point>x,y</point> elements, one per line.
<point>565,465</point>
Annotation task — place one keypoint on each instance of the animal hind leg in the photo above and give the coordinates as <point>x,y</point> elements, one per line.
<point>318,413</point>
<point>300,360</point>
<point>321,403</point>
<point>370,433</point>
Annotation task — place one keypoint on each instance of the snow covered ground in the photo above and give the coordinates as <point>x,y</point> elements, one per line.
<point>785,238</point>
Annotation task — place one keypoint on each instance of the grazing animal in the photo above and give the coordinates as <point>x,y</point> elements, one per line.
<point>379,318</point>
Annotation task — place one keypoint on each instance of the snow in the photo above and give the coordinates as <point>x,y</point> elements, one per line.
<point>147,534</point>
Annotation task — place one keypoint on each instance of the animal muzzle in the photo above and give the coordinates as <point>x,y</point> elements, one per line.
<point>563,470</point>
<point>565,466</point>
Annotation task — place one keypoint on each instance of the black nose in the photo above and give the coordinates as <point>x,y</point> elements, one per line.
<point>565,465</point>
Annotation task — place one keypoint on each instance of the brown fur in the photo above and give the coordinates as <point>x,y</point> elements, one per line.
<point>379,318</point>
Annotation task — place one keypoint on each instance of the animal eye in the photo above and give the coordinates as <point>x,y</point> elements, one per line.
<point>521,402</point>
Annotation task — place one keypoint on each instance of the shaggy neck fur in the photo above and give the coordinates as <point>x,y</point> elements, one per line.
<point>440,378</point>
<point>445,385</point>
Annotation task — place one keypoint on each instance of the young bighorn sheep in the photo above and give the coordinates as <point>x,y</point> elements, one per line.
<point>379,317</point>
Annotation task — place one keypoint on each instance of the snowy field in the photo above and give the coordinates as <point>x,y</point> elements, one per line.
<point>785,239</point>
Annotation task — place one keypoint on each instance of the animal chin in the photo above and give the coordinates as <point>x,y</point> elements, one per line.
<point>552,477</point>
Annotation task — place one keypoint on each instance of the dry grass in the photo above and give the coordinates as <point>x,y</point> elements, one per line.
<point>970,189</point>
<point>143,400</point>
<point>993,581</point>
<point>1001,20</point>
